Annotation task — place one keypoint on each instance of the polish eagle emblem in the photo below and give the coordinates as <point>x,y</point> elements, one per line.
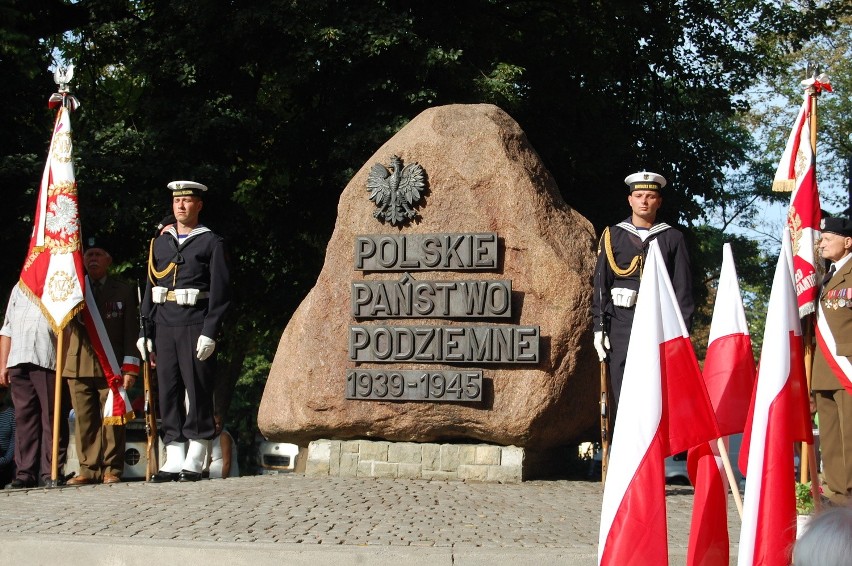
<point>396,191</point>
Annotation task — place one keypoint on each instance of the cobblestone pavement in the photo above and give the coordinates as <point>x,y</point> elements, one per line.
<point>263,519</point>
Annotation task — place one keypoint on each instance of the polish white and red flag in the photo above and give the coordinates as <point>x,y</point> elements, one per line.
<point>664,409</point>
<point>53,270</point>
<point>778,418</point>
<point>53,274</point>
<point>797,173</point>
<point>729,372</point>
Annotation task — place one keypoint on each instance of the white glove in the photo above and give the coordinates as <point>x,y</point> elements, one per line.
<point>141,346</point>
<point>205,347</point>
<point>624,298</point>
<point>601,345</point>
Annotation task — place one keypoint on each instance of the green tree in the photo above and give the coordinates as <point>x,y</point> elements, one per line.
<point>276,104</point>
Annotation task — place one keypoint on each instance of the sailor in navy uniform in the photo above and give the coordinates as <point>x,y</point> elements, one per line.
<point>186,297</point>
<point>621,257</point>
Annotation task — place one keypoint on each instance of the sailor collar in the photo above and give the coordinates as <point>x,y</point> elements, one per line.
<point>200,229</point>
<point>652,231</point>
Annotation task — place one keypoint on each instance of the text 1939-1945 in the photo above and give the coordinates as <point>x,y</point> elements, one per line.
<point>414,385</point>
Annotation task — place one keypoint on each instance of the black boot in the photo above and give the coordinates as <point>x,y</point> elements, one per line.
<point>163,477</point>
<point>186,475</point>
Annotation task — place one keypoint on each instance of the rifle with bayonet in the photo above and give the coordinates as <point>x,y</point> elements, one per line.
<point>150,407</point>
<point>604,400</point>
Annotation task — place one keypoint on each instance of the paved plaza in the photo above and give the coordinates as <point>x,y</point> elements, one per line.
<point>293,519</point>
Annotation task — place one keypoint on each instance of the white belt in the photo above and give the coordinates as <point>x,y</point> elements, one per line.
<point>170,296</point>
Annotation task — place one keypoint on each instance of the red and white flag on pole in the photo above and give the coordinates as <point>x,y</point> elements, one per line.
<point>53,270</point>
<point>729,364</point>
<point>53,274</point>
<point>664,409</point>
<point>778,418</point>
<point>797,173</point>
<point>729,376</point>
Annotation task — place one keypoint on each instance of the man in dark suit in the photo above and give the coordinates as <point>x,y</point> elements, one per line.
<point>831,380</point>
<point>101,446</point>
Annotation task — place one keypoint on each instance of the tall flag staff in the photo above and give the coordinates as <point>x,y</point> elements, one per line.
<point>777,419</point>
<point>53,274</point>
<point>797,173</point>
<point>729,373</point>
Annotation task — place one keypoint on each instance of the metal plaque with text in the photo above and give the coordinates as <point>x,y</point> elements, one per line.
<point>411,298</point>
<point>444,344</point>
<point>413,385</point>
<point>426,252</point>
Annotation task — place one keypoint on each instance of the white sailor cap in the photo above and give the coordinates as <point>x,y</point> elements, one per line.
<point>187,189</point>
<point>645,181</point>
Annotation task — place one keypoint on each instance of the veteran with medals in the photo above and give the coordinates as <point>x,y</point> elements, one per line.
<point>186,297</point>
<point>621,256</point>
<point>101,442</point>
<point>831,379</point>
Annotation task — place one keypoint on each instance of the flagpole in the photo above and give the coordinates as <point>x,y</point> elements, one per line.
<point>807,457</point>
<point>66,102</point>
<point>729,471</point>
<point>57,409</point>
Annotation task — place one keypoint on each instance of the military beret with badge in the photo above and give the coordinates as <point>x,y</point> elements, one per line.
<point>837,225</point>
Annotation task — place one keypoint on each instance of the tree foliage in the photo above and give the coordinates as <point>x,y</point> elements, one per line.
<point>276,104</point>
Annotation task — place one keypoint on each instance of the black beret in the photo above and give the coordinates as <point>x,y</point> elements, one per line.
<point>837,225</point>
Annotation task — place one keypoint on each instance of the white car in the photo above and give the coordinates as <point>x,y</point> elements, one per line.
<point>276,457</point>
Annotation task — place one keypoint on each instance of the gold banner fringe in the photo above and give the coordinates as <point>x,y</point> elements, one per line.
<point>120,421</point>
<point>57,329</point>
<point>784,186</point>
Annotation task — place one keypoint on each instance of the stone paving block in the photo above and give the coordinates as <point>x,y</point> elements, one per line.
<point>319,452</point>
<point>385,469</point>
<point>348,465</point>
<point>376,451</point>
<point>473,472</point>
<point>430,455</point>
<point>365,469</point>
<point>488,455</point>
<point>404,453</point>
<point>467,454</point>
<point>334,458</point>
<point>439,475</point>
<point>409,471</point>
<point>347,446</point>
<point>511,456</point>
<point>449,457</point>
<point>220,521</point>
<point>504,474</point>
